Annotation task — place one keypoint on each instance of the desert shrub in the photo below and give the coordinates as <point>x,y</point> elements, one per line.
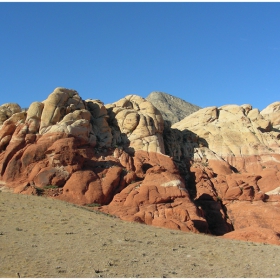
<point>93,205</point>
<point>39,191</point>
<point>50,187</point>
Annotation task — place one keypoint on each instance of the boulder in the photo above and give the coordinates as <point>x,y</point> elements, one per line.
<point>59,103</point>
<point>7,110</point>
<point>255,234</point>
<point>272,112</point>
<point>34,114</point>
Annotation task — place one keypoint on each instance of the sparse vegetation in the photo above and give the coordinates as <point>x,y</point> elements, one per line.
<point>123,248</point>
<point>218,198</point>
<point>50,187</point>
<point>39,191</point>
<point>93,205</point>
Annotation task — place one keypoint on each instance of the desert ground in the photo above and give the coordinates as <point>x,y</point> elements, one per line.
<point>44,237</point>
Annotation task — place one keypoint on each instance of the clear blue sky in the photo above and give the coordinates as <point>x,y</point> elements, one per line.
<point>205,53</point>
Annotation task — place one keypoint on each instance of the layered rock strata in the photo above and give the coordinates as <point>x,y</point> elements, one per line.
<point>90,154</point>
<point>216,171</point>
<point>235,160</point>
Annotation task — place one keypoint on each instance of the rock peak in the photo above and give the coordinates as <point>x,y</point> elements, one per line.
<point>173,109</point>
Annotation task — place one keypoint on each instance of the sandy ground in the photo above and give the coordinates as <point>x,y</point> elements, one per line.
<point>43,237</point>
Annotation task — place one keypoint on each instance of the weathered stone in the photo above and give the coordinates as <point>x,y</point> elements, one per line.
<point>220,174</point>
<point>139,123</point>
<point>7,110</point>
<point>59,103</point>
<point>172,109</point>
<point>272,112</point>
<point>34,114</point>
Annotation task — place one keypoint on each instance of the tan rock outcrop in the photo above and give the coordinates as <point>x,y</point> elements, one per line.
<point>139,124</point>
<point>234,154</point>
<point>7,110</point>
<point>242,137</point>
<point>34,114</point>
<point>272,112</point>
<point>59,103</point>
<point>99,122</point>
<point>77,124</point>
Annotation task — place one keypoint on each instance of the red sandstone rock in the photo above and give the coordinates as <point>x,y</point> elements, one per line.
<point>255,234</point>
<point>225,175</point>
<point>159,198</point>
<point>259,215</point>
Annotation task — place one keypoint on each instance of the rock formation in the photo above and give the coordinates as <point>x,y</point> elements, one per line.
<point>172,109</point>
<point>86,153</point>
<point>136,122</point>
<point>236,161</point>
<point>215,171</point>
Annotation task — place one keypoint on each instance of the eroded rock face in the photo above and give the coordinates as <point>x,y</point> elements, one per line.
<point>232,162</point>
<point>85,153</point>
<point>158,198</point>
<point>59,103</point>
<point>7,110</point>
<point>34,114</point>
<point>272,112</point>
<point>216,171</point>
<point>242,137</point>
<point>99,121</point>
<point>137,123</point>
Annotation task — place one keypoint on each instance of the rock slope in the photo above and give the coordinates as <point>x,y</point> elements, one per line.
<point>216,171</point>
<point>172,109</point>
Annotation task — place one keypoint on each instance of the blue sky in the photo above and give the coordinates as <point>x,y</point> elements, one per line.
<point>209,54</point>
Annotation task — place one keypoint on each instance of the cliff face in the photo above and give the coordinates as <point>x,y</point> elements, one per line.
<point>215,171</point>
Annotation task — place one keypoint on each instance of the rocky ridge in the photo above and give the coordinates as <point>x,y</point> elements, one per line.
<point>216,171</point>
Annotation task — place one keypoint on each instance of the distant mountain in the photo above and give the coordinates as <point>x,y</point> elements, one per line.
<point>173,109</point>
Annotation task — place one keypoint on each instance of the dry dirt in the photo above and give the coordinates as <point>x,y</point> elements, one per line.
<point>43,237</point>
